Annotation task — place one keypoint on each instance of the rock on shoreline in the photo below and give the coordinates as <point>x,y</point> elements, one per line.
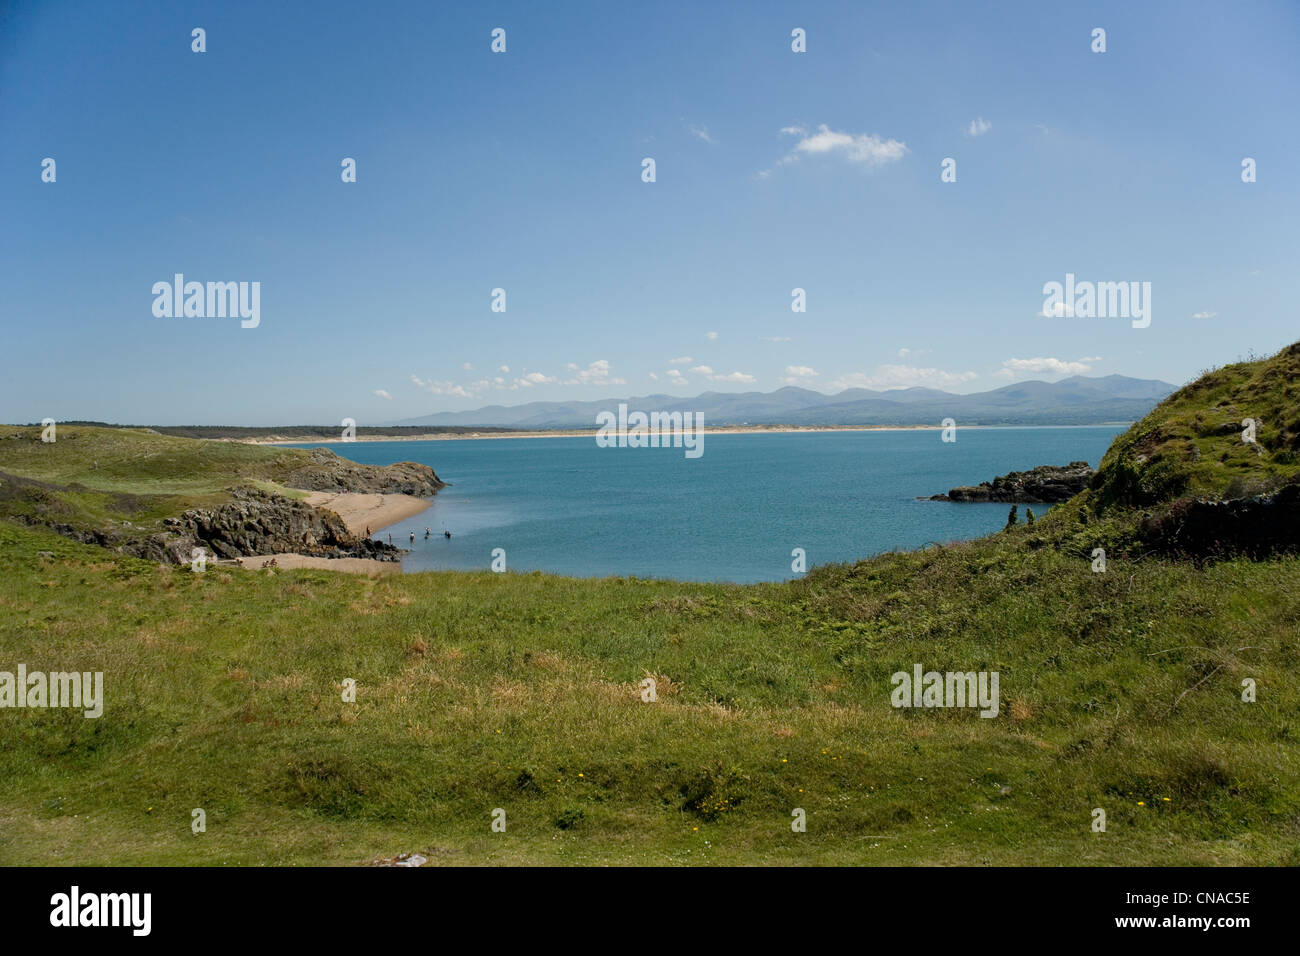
<point>256,522</point>
<point>1046,484</point>
<point>328,472</point>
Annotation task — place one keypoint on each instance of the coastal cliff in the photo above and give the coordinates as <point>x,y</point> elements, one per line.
<point>326,471</point>
<point>1047,484</point>
<point>159,497</point>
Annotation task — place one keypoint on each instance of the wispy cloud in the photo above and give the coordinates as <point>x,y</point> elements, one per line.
<point>683,360</point>
<point>902,376</point>
<point>1049,366</point>
<point>381,393</point>
<point>794,374</point>
<point>597,373</point>
<point>712,376</point>
<point>978,127</point>
<point>703,133</point>
<point>1204,315</point>
<point>441,388</point>
<point>861,149</point>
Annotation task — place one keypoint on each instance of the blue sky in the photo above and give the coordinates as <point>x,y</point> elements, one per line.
<point>522,171</point>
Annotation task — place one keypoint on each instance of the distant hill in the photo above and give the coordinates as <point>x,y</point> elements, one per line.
<point>1072,401</point>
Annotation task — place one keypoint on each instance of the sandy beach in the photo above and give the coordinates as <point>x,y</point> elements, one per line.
<point>360,512</point>
<point>589,433</point>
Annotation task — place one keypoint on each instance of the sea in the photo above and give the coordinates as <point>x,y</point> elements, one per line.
<point>736,513</point>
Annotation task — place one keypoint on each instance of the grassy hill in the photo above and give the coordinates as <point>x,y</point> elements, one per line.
<point>117,487</point>
<point>96,478</point>
<point>1120,690</point>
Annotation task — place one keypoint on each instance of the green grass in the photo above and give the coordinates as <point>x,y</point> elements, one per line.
<point>1191,444</point>
<point>107,480</point>
<point>1120,690</point>
<point>478,691</point>
<point>138,462</point>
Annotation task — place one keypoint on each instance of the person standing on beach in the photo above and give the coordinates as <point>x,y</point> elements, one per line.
<point>412,537</point>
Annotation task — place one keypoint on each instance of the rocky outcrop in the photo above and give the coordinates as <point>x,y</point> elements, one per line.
<point>1255,527</point>
<point>256,522</point>
<point>1046,484</point>
<point>326,471</point>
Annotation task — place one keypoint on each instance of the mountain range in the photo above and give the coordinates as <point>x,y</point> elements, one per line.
<point>1078,400</point>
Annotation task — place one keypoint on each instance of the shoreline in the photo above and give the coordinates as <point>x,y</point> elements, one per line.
<point>725,430</point>
<point>360,510</point>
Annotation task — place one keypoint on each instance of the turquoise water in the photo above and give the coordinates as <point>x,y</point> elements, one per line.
<point>735,514</point>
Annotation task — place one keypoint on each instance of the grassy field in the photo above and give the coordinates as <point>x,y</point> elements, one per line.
<point>108,479</point>
<point>1120,690</point>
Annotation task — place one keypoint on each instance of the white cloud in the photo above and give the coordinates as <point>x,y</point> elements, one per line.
<point>1049,366</point>
<point>504,369</point>
<point>441,388</point>
<point>775,338</point>
<point>534,378</point>
<point>712,376</point>
<point>654,377</point>
<point>597,373</point>
<point>675,377</point>
<point>902,376</point>
<point>863,149</point>
<point>684,360</point>
<point>703,133</point>
<point>1059,310</point>
<point>1204,315</point>
<point>978,127</point>
<point>467,367</point>
<point>795,374</point>
<point>381,393</point>
<point>711,336</point>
